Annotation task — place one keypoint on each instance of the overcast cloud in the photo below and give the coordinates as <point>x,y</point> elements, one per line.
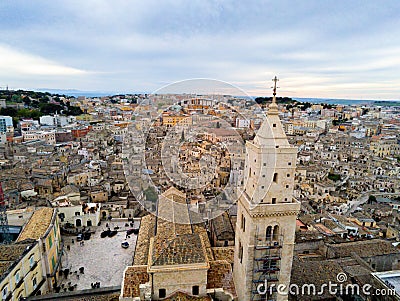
<point>338,49</point>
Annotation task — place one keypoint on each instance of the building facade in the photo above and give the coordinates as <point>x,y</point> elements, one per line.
<point>22,275</point>
<point>267,212</point>
<point>44,227</point>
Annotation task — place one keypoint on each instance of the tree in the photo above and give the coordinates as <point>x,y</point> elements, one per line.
<point>150,194</point>
<point>371,199</point>
<point>27,101</point>
<point>333,177</point>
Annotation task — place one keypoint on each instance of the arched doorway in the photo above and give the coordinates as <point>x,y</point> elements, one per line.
<point>89,223</point>
<point>78,223</point>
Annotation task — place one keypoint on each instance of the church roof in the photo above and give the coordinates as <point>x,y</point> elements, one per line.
<point>185,249</point>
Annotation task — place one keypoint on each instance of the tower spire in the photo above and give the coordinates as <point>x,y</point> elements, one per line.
<point>273,107</point>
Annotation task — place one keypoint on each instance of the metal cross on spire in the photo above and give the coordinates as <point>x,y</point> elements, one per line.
<point>275,80</point>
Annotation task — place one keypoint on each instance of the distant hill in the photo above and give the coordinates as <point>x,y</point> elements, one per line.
<point>282,100</point>
<point>33,104</point>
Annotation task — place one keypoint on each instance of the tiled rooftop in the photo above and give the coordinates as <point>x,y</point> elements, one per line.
<point>220,276</point>
<point>223,228</point>
<point>10,254</point>
<point>184,249</point>
<point>315,272</point>
<point>224,253</point>
<point>37,225</point>
<point>366,248</point>
<point>146,231</point>
<point>134,276</point>
<point>206,241</point>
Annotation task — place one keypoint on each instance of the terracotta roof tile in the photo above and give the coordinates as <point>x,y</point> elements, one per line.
<point>134,276</point>
<point>37,225</point>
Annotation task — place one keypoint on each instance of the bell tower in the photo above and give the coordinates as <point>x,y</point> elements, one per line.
<point>267,211</point>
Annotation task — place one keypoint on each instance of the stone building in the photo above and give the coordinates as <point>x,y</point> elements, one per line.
<point>267,211</point>
<point>43,227</point>
<point>174,259</point>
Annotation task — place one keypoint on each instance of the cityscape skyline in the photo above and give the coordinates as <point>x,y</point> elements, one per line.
<point>322,50</point>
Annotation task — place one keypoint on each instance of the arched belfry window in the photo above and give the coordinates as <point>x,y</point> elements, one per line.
<point>268,233</point>
<point>275,233</point>
<point>276,177</point>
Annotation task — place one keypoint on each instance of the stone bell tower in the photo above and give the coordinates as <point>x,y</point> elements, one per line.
<point>267,211</point>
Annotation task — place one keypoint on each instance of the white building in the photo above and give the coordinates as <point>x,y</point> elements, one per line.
<point>47,136</point>
<point>242,123</point>
<point>48,120</point>
<point>79,215</point>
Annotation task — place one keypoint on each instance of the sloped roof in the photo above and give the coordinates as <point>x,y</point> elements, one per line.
<point>37,225</point>
<point>366,248</point>
<point>147,225</point>
<point>133,277</point>
<point>220,276</point>
<point>184,249</point>
<point>223,228</point>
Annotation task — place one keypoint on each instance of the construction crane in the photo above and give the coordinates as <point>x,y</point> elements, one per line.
<point>4,229</point>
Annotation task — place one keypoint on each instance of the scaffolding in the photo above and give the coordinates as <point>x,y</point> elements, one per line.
<point>266,266</point>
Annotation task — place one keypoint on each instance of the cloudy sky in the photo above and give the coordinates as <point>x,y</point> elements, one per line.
<point>337,49</point>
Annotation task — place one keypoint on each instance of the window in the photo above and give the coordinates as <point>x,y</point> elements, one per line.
<point>275,177</point>
<point>268,233</point>
<point>77,213</point>
<point>273,200</point>
<point>4,292</point>
<point>162,293</point>
<point>240,252</point>
<point>61,216</point>
<point>34,282</point>
<point>287,186</point>
<point>243,223</point>
<point>50,241</point>
<point>289,163</point>
<point>53,262</point>
<point>265,164</point>
<point>274,125</point>
<point>31,261</point>
<point>288,175</point>
<point>262,187</point>
<point>17,277</point>
<point>195,290</point>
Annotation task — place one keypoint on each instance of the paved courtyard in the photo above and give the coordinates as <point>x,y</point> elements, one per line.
<point>103,259</point>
